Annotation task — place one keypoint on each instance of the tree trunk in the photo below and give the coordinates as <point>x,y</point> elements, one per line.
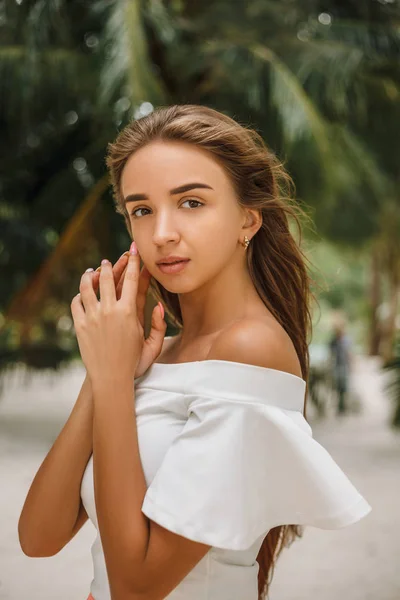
<point>390,325</point>
<point>375,299</point>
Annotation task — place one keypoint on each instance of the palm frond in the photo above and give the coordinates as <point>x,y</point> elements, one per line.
<point>43,18</point>
<point>364,164</point>
<point>329,71</point>
<point>31,87</point>
<point>376,40</point>
<point>127,67</point>
<point>361,188</point>
<point>332,62</point>
<point>299,116</point>
<point>162,21</point>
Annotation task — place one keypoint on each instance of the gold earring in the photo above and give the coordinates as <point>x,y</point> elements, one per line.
<point>246,242</point>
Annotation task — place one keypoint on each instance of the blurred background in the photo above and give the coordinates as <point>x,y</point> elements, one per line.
<point>320,80</point>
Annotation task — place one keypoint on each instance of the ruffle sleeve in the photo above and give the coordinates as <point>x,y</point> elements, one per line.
<point>242,466</point>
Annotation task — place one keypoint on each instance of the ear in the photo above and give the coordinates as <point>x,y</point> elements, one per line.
<point>252,221</point>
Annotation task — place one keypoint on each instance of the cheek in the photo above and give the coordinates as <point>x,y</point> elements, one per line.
<point>218,249</point>
<point>214,238</point>
<point>224,231</point>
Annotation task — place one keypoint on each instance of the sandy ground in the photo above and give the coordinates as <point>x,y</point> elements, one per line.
<point>360,562</point>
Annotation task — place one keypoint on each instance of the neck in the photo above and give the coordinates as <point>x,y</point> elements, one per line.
<point>226,298</point>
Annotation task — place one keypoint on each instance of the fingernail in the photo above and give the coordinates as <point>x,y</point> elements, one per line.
<point>105,261</point>
<point>124,254</point>
<point>133,248</point>
<point>89,269</point>
<point>98,269</point>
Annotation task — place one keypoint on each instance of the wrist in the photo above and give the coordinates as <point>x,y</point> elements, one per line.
<point>111,383</point>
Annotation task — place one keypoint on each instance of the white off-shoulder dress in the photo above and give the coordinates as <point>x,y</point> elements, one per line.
<point>227,455</point>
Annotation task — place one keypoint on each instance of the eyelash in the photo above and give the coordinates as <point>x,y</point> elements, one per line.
<point>144,208</point>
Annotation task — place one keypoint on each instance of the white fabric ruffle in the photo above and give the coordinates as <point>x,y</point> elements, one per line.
<point>245,461</point>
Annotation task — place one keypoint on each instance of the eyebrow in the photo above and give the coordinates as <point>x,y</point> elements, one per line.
<point>178,190</point>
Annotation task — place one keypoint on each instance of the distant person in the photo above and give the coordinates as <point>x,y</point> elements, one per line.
<point>340,347</point>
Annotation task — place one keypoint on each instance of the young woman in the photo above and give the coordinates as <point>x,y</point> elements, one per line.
<point>191,454</point>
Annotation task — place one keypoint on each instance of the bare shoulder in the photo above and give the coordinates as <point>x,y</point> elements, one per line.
<point>259,343</point>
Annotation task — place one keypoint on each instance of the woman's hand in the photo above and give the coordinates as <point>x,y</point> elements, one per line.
<point>154,342</point>
<point>110,332</point>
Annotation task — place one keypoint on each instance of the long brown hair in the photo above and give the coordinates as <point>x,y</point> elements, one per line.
<point>275,261</point>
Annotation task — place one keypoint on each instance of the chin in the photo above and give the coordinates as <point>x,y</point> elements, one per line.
<point>176,287</point>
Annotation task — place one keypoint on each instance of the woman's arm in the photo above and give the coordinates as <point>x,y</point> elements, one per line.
<point>53,513</point>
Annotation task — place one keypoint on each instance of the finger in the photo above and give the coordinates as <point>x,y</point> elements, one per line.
<point>131,279</point>
<point>107,285</point>
<point>118,270</point>
<point>87,295</point>
<point>120,284</point>
<point>156,336</point>
<point>158,325</point>
<point>77,310</point>
<point>143,286</point>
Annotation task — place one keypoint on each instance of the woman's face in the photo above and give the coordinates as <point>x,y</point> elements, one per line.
<point>202,223</point>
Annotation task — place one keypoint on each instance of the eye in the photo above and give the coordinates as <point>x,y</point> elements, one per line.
<point>193,200</point>
<point>133,213</point>
<point>135,216</point>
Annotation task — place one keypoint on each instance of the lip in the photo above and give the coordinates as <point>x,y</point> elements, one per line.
<point>174,268</point>
<point>172,258</point>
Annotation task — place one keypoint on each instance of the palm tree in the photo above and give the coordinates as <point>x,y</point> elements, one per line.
<point>305,82</point>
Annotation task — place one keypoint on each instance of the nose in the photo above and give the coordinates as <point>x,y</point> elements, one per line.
<point>164,229</point>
